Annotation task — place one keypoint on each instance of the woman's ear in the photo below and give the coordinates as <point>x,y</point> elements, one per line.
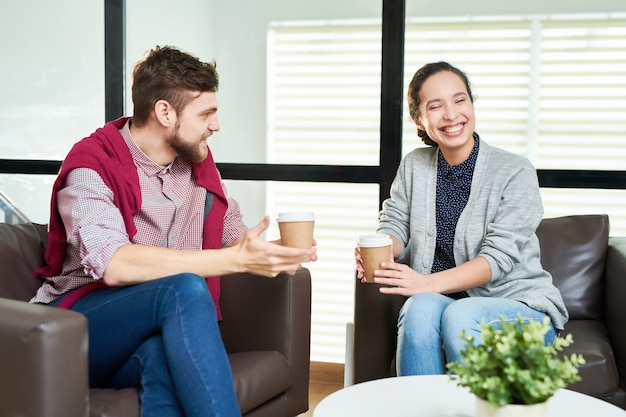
<point>419,124</point>
<point>165,113</point>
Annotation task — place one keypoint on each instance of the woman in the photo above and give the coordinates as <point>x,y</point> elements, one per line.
<point>465,215</point>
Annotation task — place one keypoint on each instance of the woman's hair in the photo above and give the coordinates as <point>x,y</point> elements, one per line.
<point>416,85</point>
<point>169,74</point>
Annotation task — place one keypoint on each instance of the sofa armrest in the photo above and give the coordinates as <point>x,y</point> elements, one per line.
<point>375,331</point>
<point>43,357</point>
<point>270,314</point>
<point>615,308</point>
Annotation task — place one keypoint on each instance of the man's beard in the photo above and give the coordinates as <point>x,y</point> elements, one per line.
<point>185,149</point>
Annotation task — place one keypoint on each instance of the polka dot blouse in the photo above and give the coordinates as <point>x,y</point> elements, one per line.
<point>453,189</point>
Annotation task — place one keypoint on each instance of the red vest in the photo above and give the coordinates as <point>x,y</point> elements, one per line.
<point>106,152</point>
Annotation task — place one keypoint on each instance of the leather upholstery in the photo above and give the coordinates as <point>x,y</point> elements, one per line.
<point>615,305</point>
<point>587,266</point>
<point>33,364</point>
<point>43,354</point>
<point>582,241</point>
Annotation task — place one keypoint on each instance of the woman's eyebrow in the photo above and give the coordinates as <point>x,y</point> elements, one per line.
<point>434,100</point>
<point>455,95</point>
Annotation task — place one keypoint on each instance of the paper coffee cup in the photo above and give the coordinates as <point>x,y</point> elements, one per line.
<point>296,229</point>
<point>375,249</point>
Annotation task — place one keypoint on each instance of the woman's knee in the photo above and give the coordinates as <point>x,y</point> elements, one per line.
<point>423,305</point>
<point>463,314</point>
<point>422,310</point>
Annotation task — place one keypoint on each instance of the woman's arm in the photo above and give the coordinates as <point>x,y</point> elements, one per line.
<point>405,281</point>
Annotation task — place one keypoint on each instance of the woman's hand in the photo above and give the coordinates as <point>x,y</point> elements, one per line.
<point>401,279</point>
<point>359,264</point>
<point>405,281</point>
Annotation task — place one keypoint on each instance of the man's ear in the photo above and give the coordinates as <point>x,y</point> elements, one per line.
<point>165,113</point>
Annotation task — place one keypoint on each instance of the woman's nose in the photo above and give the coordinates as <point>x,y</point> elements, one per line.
<point>449,113</point>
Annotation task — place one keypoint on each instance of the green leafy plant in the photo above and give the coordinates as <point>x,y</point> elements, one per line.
<point>512,365</point>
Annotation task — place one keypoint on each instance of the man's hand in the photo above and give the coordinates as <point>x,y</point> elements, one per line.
<point>267,258</point>
<point>135,263</point>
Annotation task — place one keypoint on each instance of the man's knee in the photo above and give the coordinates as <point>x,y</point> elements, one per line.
<point>188,287</point>
<point>187,283</point>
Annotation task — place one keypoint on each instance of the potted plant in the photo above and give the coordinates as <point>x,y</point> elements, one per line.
<point>512,369</point>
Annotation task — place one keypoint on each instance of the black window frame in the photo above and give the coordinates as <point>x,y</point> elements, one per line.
<point>391,100</point>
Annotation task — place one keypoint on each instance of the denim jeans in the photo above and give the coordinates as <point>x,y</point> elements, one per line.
<point>430,324</point>
<point>163,337</point>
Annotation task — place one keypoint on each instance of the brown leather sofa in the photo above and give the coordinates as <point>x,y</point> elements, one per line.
<point>587,266</point>
<point>43,350</point>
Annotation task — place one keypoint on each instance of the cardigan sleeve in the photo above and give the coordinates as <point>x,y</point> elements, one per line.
<point>518,211</point>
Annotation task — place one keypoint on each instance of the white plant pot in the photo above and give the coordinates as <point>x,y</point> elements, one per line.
<point>484,409</point>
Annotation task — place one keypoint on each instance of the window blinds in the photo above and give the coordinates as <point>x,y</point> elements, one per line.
<point>551,88</point>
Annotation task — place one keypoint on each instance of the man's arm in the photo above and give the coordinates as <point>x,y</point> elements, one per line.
<point>96,231</point>
<point>134,263</point>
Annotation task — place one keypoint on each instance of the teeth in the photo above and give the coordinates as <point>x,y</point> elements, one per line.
<point>453,129</point>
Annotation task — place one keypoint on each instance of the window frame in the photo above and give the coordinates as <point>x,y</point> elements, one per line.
<point>392,74</point>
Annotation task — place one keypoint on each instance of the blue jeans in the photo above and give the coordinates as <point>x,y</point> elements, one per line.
<point>430,324</point>
<point>163,337</point>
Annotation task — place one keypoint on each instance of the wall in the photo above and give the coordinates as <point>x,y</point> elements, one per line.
<point>186,24</point>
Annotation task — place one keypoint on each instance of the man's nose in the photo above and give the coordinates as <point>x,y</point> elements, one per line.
<point>214,124</point>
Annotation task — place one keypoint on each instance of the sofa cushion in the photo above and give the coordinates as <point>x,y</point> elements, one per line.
<point>599,373</point>
<point>21,252</point>
<point>573,250</point>
<point>109,402</point>
<point>259,376</point>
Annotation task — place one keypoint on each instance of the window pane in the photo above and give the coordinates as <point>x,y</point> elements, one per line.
<point>52,90</point>
<point>188,26</point>
<point>343,211</point>
<point>272,70</point>
<point>582,94</point>
<point>565,202</point>
<point>25,198</point>
<point>548,87</point>
<point>324,93</point>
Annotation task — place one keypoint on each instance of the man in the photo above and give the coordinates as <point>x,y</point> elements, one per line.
<point>141,229</point>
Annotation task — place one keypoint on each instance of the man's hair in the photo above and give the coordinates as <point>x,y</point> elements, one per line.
<point>166,73</point>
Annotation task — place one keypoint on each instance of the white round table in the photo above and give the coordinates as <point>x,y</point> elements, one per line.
<point>438,396</point>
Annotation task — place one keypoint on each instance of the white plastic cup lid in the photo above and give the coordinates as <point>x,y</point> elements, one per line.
<point>296,216</point>
<point>374,240</point>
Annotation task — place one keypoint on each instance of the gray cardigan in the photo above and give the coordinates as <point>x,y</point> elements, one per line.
<point>498,223</point>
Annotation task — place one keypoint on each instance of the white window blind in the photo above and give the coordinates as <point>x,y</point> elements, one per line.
<point>582,94</point>
<point>552,88</point>
<point>324,108</point>
<point>324,94</point>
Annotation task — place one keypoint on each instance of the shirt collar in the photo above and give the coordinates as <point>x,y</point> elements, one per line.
<point>465,168</point>
<point>143,161</point>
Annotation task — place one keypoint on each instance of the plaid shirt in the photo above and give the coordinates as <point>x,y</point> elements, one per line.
<point>171,215</point>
